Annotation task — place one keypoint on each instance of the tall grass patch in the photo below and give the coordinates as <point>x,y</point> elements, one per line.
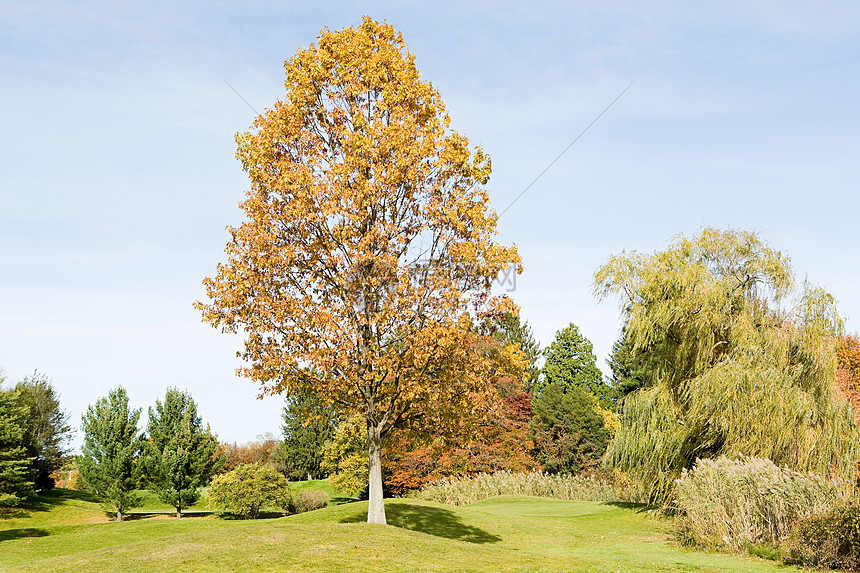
<point>736,504</point>
<point>463,491</point>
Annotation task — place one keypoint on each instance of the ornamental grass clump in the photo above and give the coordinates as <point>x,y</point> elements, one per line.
<point>463,491</point>
<point>311,500</point>
<point>737,504</point>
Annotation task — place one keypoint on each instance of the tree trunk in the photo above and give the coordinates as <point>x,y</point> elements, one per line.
<point>179,512</point>
<point>375,507</point>
<point>310,477</point>
<point>118,515</point>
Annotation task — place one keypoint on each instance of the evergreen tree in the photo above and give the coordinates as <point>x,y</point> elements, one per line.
<point>511,330</point>
<point>570,434</point>
<point>629,367</point>
<point>179,455</point>
<point>15,466</point>
<point>110,454</point>
<point>307,426</point>
<point>47,428</point>
<point>571,363</point>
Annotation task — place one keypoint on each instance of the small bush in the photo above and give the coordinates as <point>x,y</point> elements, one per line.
<point>734,504</point>
<point>830,539</point>
<point>310,500</point>
<point>249,487</point>
<point>463,491</point>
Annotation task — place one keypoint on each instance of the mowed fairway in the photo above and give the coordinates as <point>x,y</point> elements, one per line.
<point>500,534</point>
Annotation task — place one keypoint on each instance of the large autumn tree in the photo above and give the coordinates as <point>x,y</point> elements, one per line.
<point>367,241</point>
<point>738,360</point>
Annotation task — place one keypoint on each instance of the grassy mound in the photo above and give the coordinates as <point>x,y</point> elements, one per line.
<point>499,534</point>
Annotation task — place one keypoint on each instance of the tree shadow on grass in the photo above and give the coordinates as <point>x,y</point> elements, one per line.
<point>45,501</point>
<point>637,507</point>
<point>264,514</point>
<point>430,520</point>
<point>10,534</point>
<point>134,514</point>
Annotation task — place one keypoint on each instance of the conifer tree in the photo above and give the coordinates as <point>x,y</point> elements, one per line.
<point>179,454</point>
<point>570,362</point>
<point>15,483</point>
<point>47,429</point>
<point>510,329</point>
<point>110,454</point>
<point>569,431</point>
<point>307,426</point>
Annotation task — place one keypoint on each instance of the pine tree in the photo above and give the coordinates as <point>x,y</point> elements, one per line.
<point>629,367</point>
<point>15,482</point>
<point>109,459</point>
<point>570,362</point>
<point>179,455</point>
<point>511,330</point>
<point>307,426</point>
<point>47,429</point>
<point>569,432</point>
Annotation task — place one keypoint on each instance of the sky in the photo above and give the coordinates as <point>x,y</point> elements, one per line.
<point>118,176</point>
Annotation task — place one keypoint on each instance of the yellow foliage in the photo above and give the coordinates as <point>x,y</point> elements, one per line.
<point>367,239</point>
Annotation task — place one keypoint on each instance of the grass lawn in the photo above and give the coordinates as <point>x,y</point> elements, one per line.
<point>335,497</point>
<point>500,534</point>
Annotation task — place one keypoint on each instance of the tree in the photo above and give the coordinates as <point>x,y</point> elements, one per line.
<point>15,466</point>
<point>47,428</point>
<point>629,368</point>
<point>264,450</point>
<point>734,371</point>
<point>501,439</point>
<point>179,454</point>
<point>569,430</point>
<point>109,461</point>
<point>249,487</point>
<point>848,372</point>
<point>344,457</point>
<point>570,362</point>
<point>307,426</point>
<point>510,329</point>
<point>368,238</point>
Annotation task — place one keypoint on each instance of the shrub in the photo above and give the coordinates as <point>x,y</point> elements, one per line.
<point>310,500</point>
<point>249,487</point>
<point>830,539</point>
<point>464,491</point>
<point>733,504</point>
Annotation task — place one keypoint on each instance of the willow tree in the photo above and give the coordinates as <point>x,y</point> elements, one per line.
<point>741,360</point>
<point>368,239</point>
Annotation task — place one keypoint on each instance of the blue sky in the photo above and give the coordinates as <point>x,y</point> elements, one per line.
<point>118,175</point>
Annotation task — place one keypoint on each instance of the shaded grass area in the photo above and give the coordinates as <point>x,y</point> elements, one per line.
<point>54,507</point>
<point>500,534</point>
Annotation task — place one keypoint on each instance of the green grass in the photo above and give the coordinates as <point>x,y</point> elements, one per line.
<point>335,497</point>
<point>151,504</point>
<point>499,534</point>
